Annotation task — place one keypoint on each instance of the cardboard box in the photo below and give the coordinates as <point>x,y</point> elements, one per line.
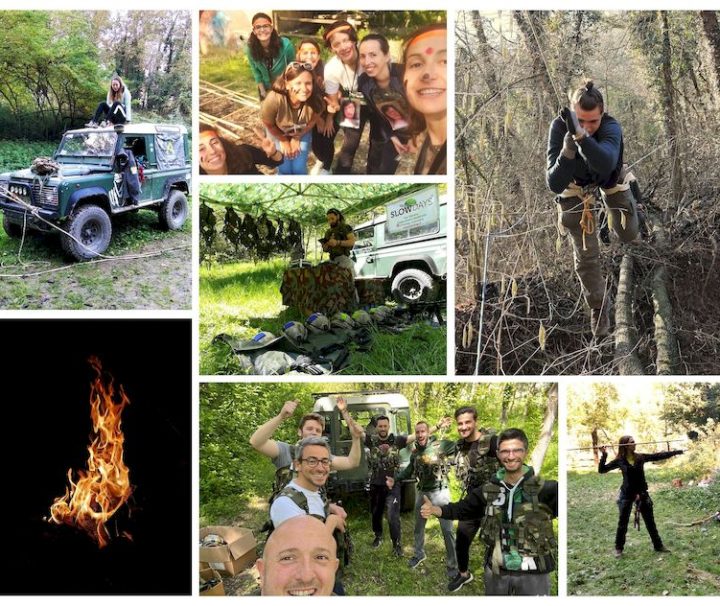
<point>208,573</point>
<point>233,558</point>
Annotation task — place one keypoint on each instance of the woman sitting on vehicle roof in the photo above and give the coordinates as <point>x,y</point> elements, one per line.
<point>116,109</point>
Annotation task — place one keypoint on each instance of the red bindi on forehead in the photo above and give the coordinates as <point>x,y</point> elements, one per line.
<point>429,50</point>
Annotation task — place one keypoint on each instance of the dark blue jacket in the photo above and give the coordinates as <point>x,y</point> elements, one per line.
<point>598,162</point>
<point>380,129</point>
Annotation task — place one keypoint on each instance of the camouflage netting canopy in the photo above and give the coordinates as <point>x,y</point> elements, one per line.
<point>304,202</point>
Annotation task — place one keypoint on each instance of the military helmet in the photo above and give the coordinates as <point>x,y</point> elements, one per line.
<point>318,322</point>
<point>295,331</point>
<point>362,317</point>
<point>381,313</point>
<point>342,321</point>
<point>263,338</point>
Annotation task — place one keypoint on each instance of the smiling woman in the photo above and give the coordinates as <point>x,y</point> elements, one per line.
<point>425,61</point>
<point>289,113</point>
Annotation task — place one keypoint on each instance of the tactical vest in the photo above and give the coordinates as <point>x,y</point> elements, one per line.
<point>386,462</point>
<point>431,464</point>
<point>485,467</point>
<point>283,476</point>
<point>524,541</point>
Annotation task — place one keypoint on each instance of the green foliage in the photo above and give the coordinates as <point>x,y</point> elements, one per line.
<point>235,480</point>
<point>592,519</point>
<point>16,154</point>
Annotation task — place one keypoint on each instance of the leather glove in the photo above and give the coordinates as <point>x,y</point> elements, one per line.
<point>572,124</point>
<point>569,149</point>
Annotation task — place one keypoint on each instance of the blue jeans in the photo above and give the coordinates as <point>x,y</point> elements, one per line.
<point>296,166</point>
<point>437,497</point>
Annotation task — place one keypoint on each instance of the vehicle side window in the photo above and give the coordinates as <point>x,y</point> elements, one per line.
<point>406,234</point>
<point>138,147</point>
<point>364,239</point>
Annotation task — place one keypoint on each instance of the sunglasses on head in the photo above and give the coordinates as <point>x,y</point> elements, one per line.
<point>299,65</point>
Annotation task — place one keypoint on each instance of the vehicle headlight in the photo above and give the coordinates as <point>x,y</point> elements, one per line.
<point>49,196</point>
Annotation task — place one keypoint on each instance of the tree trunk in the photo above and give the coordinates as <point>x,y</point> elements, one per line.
<point>532,30</point>
<point>711,31</point>
<point>595,444</point>
<point>546,432</point>
<point>625,334</point>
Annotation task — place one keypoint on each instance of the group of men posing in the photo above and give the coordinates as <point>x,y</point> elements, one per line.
<point>502,498</point>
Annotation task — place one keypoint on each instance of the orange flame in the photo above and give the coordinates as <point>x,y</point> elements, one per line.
<point>101,490</point>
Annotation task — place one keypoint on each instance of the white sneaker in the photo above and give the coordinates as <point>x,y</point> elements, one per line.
<point>322,171</point>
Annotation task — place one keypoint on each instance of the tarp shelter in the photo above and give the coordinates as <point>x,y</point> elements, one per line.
<point>306,203</point>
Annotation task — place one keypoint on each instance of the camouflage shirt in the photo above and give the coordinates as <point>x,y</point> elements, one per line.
<point>383,456</point>
<point>476,462</point>
<point>430,464</point>
<point>340,232</point>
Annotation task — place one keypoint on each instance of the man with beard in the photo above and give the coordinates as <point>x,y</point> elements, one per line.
<point>475,464</point>
<point>516,508</point>
<point>430,464</point>
<point>282,453</point>
<point>299,559</point>
<point>339,240</point>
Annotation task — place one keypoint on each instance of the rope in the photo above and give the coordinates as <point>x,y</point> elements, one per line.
<point>587,219</point>
<point>542,55</point>
<point>36,213</point>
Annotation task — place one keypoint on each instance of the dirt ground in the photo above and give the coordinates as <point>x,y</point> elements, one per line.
<point>158,282</point>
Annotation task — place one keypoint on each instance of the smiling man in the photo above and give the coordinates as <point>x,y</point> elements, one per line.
<point>299,559</point>
<point>517,508</point>
<point>585,151</point>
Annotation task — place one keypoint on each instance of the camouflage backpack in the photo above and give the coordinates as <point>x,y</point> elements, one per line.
<point>529,536</point>
<point>485,467</point>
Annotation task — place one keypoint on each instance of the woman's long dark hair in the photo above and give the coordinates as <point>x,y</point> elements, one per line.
<point>623,449</point>
<point>291,72</point>
<point>237,160</point>
<point>257,51</point>
<point>319,69</point>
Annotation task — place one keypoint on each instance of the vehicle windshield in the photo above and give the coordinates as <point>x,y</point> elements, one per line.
<point>89,144</point>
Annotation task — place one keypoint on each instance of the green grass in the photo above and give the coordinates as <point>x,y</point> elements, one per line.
<point>228,68</point>
<point>243,298</point>
<point>82,286</point>
<point>372,572</point>
<point>16,154</point>
<point>592,520</point>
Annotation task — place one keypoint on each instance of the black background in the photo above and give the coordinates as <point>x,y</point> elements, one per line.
<point>44,430</point>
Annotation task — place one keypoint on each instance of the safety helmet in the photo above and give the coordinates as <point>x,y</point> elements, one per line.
<point>263,338</point>
<point>342,321</point>
<point>381,313</point>
<point>295,331</point>
<point>362,317</point>
<point>318,322</point>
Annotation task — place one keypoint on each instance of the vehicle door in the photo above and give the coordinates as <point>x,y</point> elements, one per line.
<point>364,252</point>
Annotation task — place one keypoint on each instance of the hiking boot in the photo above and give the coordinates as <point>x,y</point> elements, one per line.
<point>416,561</point>
<point>459,581</point>
<point>377,542</point>
<point>662,549</point>
<point>618,553</point>
<point>397,550</point>
<point>600,322</point>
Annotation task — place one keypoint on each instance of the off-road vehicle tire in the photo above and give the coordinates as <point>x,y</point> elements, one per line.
<point>91,225</point>
<point>413,286</point>
<point>173,211</point>
<point>12,229</point>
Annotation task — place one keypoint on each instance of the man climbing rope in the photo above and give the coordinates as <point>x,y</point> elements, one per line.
<point>585,151</point>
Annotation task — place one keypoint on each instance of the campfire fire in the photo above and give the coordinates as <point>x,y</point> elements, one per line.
<point>105,486</point>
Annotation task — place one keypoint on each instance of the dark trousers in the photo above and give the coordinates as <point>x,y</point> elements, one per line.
<point>383,158</point>
<point>323,147</point>
<point>646,510</point>
<point>464,535</point>
<point>114,113</point>
<point>383,499</point>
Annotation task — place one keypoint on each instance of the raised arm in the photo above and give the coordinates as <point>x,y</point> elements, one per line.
<point>262,440</point>
<point>353,459</point>
<point>602,467</point>
<point>661,456</point>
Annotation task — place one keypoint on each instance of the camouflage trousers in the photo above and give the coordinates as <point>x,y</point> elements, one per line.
<point>622,216</point>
